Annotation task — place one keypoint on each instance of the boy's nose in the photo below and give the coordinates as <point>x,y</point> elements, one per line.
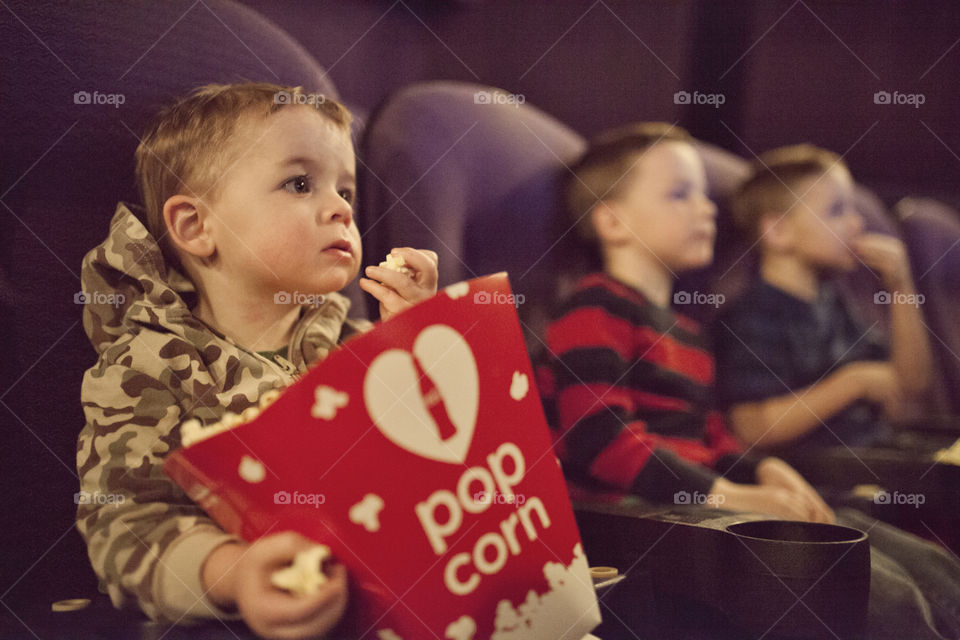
<point>855,220</point>
<point>709,207</point>
<point>337,210</point>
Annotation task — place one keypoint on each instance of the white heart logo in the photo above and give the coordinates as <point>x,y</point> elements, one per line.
<point>426,402</point>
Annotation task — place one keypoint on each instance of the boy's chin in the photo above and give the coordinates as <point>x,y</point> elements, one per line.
<point>695,262</point>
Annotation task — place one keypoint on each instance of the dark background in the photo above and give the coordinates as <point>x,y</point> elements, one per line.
<point>788,72</point>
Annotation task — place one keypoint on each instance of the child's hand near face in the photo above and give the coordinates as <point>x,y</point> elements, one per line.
<point>238,574</point>
<point>397,291</point>
<point>888,257</point>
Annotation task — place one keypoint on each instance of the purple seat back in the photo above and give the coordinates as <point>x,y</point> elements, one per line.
<point>931,231</point>
<point>473,180</point>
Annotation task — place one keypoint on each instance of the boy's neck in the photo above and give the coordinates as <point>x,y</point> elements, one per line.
<point>642,272</point>
<point>258,325</point>
<point>789,274</point>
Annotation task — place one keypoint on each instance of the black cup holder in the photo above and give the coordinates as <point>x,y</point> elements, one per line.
<point>813,579</point>
<point>801,532</point>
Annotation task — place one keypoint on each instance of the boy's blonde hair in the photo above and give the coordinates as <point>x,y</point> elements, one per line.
<point>601,172</point>
<point>187,145</point>
<point>771,186</point>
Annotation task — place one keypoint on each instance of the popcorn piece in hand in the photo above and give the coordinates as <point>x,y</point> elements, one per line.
<point>398,264</point>
<point>305,575</point>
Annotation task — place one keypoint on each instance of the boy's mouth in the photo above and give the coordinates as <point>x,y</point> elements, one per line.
<point>340,247</point>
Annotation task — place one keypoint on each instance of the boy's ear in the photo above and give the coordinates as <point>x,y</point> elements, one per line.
<point>187,226</point>
<point>774,230</point>
<point>606,222</point>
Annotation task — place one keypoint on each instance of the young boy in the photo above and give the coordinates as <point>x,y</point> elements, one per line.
<point>631,381</point>
<point>197,307</point>
<point>796,368</point>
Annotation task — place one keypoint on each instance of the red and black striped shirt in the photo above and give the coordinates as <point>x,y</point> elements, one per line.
<point>629,388</point>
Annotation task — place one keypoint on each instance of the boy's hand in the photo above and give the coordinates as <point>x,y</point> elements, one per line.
<point>397,291</point>
<point>774,472</point>
<point>876,382</point>
<point>770,499</point>
<point>886,256</point>
<point>239,575</point>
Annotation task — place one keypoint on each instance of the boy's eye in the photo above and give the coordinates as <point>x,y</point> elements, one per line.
<point>680,194</point>
<point>299,184</point>
<point>836,210</point>
<point>348,195</point>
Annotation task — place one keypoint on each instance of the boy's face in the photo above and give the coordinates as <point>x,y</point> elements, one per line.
<point>824,225</point>
<point>665,207</point>
<point>282,214</point>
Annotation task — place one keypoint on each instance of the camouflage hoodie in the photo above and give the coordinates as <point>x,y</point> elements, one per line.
<point>158,365</point>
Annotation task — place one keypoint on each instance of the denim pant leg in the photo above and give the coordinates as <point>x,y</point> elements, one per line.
<point>897,608</point>
<point>933,571</point>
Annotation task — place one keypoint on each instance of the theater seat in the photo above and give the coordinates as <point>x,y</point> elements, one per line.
<point>931,231</point>
<point>66,166</point>
<point>452,167</point>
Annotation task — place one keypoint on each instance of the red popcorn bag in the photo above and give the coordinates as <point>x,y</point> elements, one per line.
<point>419,453</point>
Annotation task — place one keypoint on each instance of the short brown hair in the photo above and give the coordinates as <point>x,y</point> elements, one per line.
<point>772,180</point>
<point>609,157</point>
<point>187,143</point>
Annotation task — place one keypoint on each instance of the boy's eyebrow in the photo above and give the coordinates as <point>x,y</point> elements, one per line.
<point>297,160</point>
<point>304,160</point>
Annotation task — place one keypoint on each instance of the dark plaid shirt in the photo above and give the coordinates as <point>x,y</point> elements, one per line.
<point>770,343</point>
<point>628,386</point>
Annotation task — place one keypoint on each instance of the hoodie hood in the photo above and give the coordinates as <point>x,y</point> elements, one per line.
<point>128,286</point>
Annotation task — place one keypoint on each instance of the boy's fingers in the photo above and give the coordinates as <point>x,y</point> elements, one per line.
<point>317,613</point>
<point>418,258</point>
<point>388,298</point>
<point>422,261</point>
<point>280,548</point>
<point>289,610</point>
<point>392,279</point>
<point>374,288</point>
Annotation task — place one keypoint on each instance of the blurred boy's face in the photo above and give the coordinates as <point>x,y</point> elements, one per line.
<point>666,209</point>
<point>282,215</point>
<point>824,224</point>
